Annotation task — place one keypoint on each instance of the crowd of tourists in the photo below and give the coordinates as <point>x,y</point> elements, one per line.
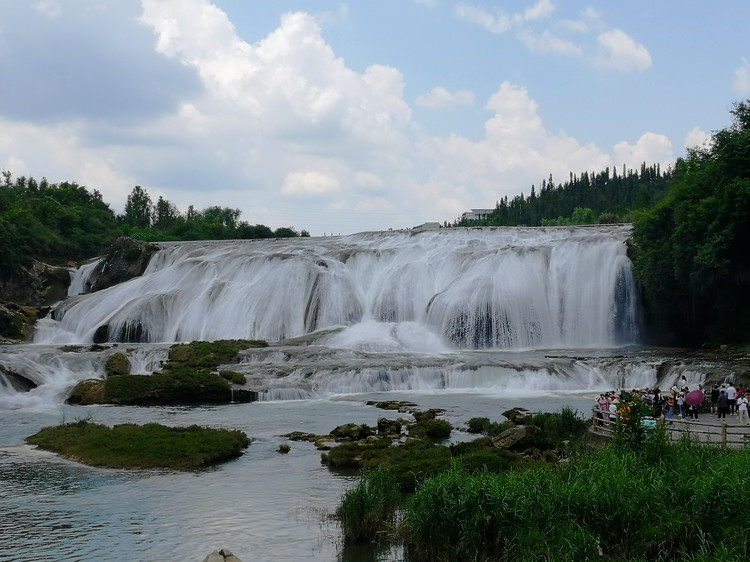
<point>677,403</point>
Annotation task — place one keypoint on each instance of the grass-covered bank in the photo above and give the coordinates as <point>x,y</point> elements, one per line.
<point>624,501</point>
<point>147,446</point>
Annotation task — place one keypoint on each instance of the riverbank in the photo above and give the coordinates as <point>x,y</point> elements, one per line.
<point>640,496</point>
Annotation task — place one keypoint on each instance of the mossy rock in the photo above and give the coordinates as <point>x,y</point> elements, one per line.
<point>393,405</point>
<point>87,392</point>
<point>209,355</point>
<point>117,364</point>
<point>352,432</point>
<point>430,414</point>
<point>16,321</point>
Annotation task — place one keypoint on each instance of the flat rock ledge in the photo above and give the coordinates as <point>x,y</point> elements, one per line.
<point>222,555</point>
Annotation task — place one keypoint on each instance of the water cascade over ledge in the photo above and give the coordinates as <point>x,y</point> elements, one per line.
<point>481,288</point>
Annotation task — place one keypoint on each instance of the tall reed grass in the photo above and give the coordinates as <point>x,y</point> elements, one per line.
<point>612,502</point>
<point>683,501</point>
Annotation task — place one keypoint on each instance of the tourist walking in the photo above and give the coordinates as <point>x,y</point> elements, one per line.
<point>732,397</point>
<point>742,410</point>
<point>714,398</point>
<point>722,405</point>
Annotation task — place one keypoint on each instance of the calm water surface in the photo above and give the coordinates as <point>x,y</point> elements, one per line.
<point>262,506</point>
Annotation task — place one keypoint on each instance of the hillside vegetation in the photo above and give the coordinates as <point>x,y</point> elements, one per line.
<point>56,223</point>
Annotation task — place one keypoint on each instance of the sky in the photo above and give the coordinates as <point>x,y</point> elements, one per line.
<point>342,117</point>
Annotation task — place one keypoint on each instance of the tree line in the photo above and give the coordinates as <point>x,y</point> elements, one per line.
<point>60,222</point>
<point>588,198</point>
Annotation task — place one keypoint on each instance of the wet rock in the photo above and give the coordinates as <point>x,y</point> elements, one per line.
<point>426,415</point>
<point>394,405</point>
<point>516,415</point>
<point>18,382</point>
<point>390,428</point>
<point>38,284</point>
<point>513,436</point>
<point>125,259</point>
<point>352,432</point>
<point>222,555</point>
<point>16,321</point>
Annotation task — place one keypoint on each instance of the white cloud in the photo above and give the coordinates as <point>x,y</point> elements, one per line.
<point>494,23</point>
<point>547,42</point>
<point>621,52</point>
<point>309,184</point>
<point>517,151</point>
<point>650,148</point>
<point>542,9</point>
<point>500,22</point>
<point>48,8</point>
<point>697,137</point>
<point>741,83</point>
<point>440,98</point>
<point>284,130</point>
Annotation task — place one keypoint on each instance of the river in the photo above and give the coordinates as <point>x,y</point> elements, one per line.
<point>472,321</point>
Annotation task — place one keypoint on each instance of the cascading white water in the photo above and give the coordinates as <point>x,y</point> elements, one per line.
<point>507,288</point>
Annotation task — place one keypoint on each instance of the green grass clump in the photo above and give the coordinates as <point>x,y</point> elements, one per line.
<point>486,427</point>
<point>148,446</point>
<point>611,502</point>
<point>368,509</point>
<point>431,429</point>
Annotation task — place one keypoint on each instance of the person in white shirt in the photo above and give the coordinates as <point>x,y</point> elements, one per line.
<point>742,410</point>
<point>732,397</point>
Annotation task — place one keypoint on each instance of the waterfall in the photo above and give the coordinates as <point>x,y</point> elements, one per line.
<point>480,288</point>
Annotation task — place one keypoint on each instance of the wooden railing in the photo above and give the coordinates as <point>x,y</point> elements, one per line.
<point>708,429</point>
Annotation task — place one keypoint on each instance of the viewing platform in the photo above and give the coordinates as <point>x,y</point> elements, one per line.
<point>708,428</point>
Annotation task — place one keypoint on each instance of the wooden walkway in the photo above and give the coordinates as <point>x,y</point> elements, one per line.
<point>707,428</point>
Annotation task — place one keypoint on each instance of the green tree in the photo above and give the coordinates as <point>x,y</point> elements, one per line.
<point>138,208</point>
<point>692,258</point>
<point>165,214</point>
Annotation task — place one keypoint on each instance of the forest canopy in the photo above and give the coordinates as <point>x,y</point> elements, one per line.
<point>693,258</point>
<point>64,222</point>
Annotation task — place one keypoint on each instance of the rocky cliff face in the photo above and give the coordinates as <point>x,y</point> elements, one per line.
<point>27,292</point>
<point>125,259</point>
<point>37,285</point>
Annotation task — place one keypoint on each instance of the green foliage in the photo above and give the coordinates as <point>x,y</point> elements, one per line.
<point>231,376</point>
<point>52,222</point>
<point>431,429</point>
<point>148,446</point>
<point>56,223</point>
<point>368,509</point>
<point>611,503</point>
<point>692,258</point>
